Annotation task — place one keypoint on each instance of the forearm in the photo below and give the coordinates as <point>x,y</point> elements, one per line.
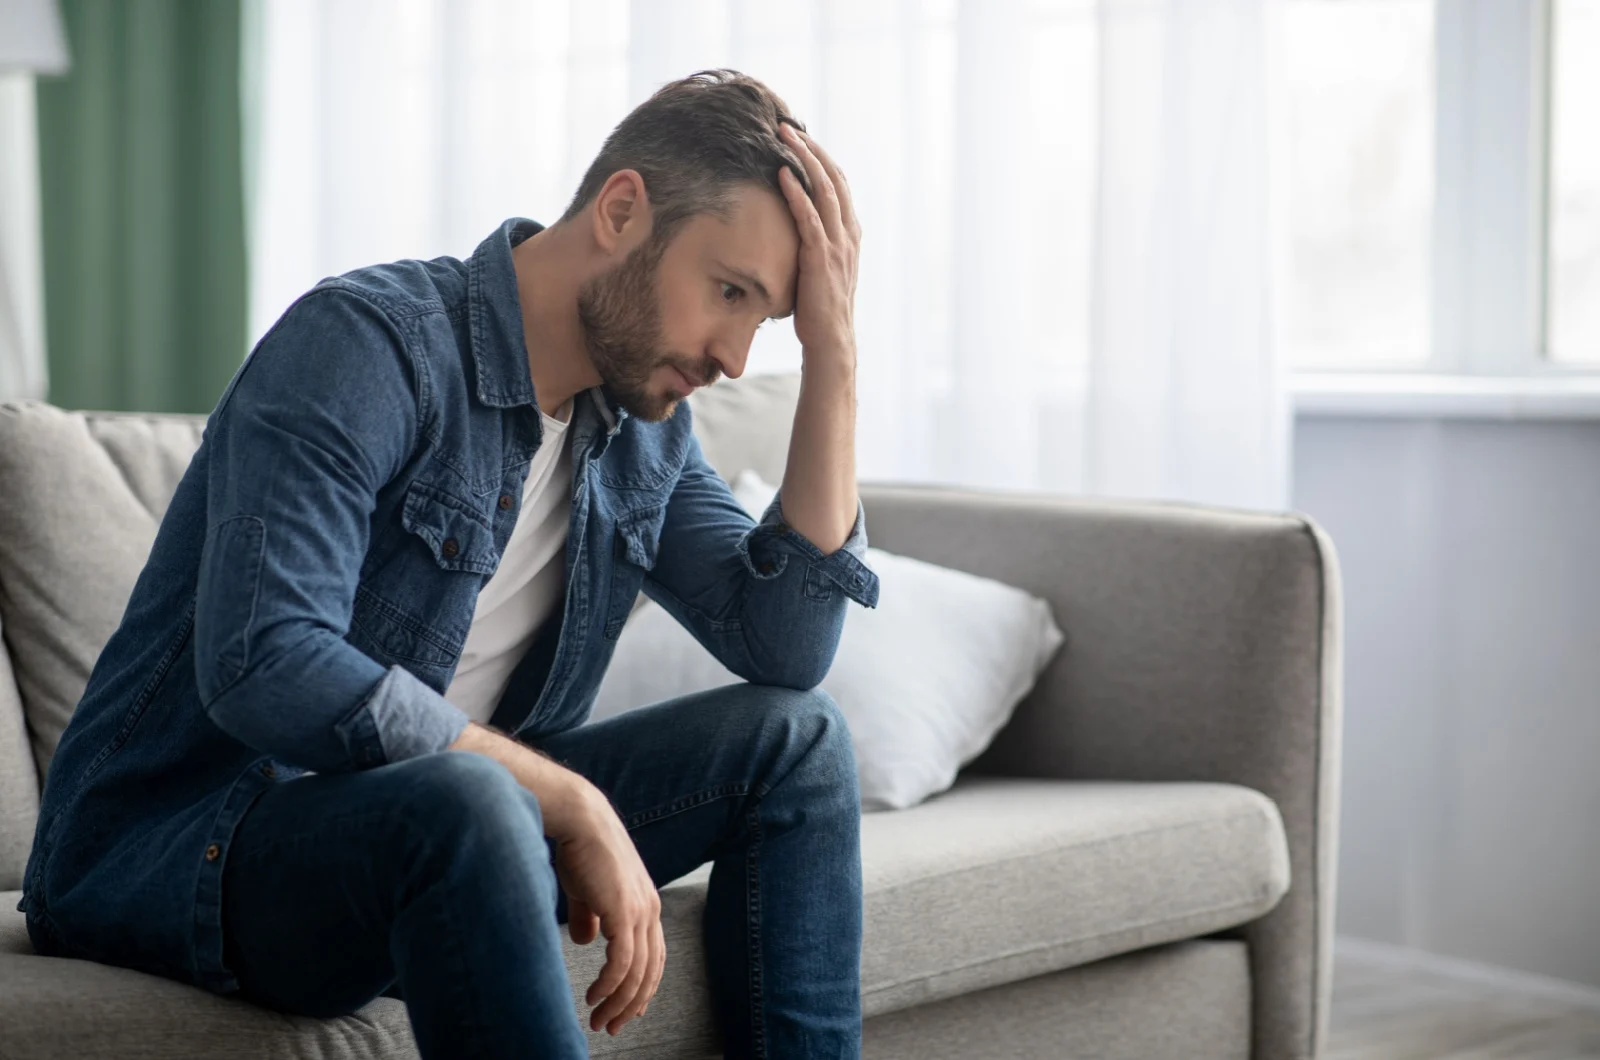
<point>564,796</point>
<point>315,701</point>
<point>819,481</point>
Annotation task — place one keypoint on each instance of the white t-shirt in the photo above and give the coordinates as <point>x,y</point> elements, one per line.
<point>527,585</point>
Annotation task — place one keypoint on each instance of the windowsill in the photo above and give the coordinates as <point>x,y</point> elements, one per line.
<point>1567,397</point>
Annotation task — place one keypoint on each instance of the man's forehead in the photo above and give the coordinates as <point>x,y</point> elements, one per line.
<point>757,238</point>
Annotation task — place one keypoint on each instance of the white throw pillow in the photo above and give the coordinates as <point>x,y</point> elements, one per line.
<point>925,680</point>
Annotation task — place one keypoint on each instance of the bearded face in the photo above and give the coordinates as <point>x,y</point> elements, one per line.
<point>620,313</point>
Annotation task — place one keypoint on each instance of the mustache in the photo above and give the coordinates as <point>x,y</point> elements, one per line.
<point>705,374</point>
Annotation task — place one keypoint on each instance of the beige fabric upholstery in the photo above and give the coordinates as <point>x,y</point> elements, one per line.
<point>1186,1001</point>
<point>1204,645</point>
<point>19,780</point>
<point>744,424</point>
<point>1082,871</point>
<point>86,493</point>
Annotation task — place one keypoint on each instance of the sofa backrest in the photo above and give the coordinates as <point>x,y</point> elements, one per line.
<point>81,497</point>
<point>19,780</point>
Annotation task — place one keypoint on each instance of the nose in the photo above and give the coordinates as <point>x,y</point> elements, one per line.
<point>731,359</point>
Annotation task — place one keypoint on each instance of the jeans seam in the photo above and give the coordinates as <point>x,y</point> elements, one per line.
<point>758,1030</point>
<point>684,803</point>
<point>471,996</point>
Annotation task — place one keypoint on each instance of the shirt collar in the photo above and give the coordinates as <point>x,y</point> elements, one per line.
<point>499,347</point>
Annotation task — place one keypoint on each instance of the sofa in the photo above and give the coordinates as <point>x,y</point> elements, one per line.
<point>1140,866</point>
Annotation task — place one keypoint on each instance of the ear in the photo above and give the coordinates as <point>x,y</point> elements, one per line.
<point>621,212</point>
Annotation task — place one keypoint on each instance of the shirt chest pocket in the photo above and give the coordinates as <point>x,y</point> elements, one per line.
<point>455,535</point>
<point>419,613</point>
<point>636,544</point>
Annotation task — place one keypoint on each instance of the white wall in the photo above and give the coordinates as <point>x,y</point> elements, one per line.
<point>1471,557</point>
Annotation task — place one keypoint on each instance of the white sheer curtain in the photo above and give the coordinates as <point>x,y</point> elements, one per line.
<point>1066,202</point>
<point>23,371</point>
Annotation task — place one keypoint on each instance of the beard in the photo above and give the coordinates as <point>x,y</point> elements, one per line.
<point>619,311</point>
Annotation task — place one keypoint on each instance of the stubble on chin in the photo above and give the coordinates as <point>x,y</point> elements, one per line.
<point>619,312</point>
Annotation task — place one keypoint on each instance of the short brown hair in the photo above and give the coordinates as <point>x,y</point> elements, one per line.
<point>693,142</point>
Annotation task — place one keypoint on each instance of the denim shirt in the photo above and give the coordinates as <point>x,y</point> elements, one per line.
<point>313,581</point>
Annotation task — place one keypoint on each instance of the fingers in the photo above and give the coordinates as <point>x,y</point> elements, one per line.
<point>652,962</point>
<point>619,958</point>
<point>622,1005</point>
<point>841,186</point>
<point>635,961</point>
<point>652,979</point>
<point>582,924</point>
<point>825,194</point>
<point>809,222</point>
<point>661,964</point>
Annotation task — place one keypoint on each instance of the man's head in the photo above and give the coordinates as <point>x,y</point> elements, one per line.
<point>684,196</point>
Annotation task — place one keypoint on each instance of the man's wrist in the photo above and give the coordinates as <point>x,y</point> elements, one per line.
<point>840,352</point>
<point>571,806</point>
<point>566,799</point>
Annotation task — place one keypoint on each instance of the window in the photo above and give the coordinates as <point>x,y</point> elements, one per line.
<point>1573,327</point>
<point>1359,188</point>
<point>1441,179</point>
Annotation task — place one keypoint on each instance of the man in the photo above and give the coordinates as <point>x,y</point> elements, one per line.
<point>333,749</point>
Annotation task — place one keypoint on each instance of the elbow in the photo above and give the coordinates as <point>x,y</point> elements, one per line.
<point>235,697</point>
<point>797,669</point>
<point>216,679</point>
<point>271,704</point>
<point>795,651</point>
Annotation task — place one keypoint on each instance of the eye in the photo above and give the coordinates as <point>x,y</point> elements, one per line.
<point>737,293</point>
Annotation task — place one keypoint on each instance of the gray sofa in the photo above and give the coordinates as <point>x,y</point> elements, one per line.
<point>1141,866</point>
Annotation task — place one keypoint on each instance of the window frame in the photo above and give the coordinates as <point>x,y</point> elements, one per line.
<point>1489,292</point>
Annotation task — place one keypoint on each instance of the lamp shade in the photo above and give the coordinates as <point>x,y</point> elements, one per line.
<point>31,38</point>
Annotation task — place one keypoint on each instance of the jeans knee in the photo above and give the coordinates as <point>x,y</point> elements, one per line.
<point>464,804</point>
<point>812,720</point>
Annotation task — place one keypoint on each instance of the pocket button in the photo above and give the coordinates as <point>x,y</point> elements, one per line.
<point>450,548</point>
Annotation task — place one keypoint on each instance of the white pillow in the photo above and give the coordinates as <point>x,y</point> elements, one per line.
<point>925,680</point>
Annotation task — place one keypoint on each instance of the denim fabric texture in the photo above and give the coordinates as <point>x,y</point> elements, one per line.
<point>312,583</point>
<point>427,880</point>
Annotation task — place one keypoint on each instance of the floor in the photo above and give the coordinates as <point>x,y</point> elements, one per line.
<point>1384,1009</point>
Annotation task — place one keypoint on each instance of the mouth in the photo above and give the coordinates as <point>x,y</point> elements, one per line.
<point>684,385</point>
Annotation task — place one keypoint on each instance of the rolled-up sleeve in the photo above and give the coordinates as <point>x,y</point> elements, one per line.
<point>772,540</point>
<point>320,417</point>
<point>757,594</point>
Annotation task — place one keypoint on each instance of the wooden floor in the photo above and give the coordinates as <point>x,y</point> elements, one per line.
<point>1385,1010</point>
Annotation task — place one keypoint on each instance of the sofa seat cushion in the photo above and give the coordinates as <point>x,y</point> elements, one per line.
<point>1001,879</point>
<point>995,881</point>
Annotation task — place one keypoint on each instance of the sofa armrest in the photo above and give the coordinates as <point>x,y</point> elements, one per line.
<point>1202,644</point>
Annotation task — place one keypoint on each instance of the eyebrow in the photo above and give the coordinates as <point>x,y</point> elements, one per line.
<point>759,287</point>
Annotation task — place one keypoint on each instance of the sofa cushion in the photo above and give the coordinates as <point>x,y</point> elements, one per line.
<point>87,492</point>
<point>19,780</point>
<point>1079,871</point>
<point>743,424</point>
<point>924,680</point>
<point>1001,879</point>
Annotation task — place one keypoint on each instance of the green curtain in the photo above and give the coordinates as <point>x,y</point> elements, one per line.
<point>143,206</point>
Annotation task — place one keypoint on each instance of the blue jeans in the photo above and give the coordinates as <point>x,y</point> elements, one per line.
<point>432,879</point>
